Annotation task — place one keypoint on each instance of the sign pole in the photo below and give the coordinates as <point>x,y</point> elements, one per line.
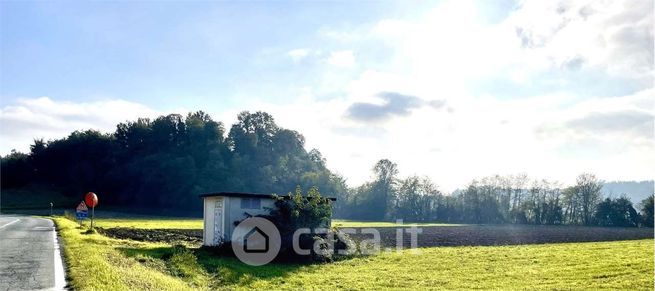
<point>91,199</point>
<point>93,214</point>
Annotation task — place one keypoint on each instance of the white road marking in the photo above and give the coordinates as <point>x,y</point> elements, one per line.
<point>60,277</point>
<point>11,222</point>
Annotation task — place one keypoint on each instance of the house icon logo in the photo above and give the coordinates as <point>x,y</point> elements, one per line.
<point>256,241</point>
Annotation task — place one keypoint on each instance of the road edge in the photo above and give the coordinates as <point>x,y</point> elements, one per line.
<point>59,266</point>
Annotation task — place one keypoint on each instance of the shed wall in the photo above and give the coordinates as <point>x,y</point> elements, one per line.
<point>236,213</point>
<point>232,212</point>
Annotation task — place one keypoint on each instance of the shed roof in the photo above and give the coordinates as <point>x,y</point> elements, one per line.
<point>249,195</point>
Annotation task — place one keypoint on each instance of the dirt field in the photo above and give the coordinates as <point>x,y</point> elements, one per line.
<point>433,236</point>
<point>484,235</point>
<point>154,235</point>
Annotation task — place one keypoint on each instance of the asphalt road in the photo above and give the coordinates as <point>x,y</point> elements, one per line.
<point>29,254</point>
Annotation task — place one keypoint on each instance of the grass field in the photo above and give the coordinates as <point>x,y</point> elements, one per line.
<point>97,262</point>
<point>196,223</point>
<point>150,223</point>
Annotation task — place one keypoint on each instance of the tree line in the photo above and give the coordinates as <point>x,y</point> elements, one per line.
<point>496,199</point>
<point>167,161</point>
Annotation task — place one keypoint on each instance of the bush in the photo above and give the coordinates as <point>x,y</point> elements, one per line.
<point>295,211</point>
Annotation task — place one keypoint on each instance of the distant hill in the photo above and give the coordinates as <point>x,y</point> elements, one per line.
<point>635,190</point>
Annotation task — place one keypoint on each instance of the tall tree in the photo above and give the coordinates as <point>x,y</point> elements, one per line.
<point>385,181</point>
<point>588,187</point>
<point>647,211</point>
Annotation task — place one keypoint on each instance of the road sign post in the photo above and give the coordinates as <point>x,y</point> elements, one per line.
<point>91,199</point>
<point>81,212</point>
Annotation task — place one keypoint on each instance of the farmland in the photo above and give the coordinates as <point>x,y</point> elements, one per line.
<point>430,236</point>
<point>101,262</point>
<point>376,224</point>
<point>487,235</point>
<point>151,222</point>
<point>196,223</point>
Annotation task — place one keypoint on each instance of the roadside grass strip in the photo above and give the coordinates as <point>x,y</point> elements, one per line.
<point>96,262</point>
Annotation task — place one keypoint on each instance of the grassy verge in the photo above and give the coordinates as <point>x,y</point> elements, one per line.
<point>98,262</point>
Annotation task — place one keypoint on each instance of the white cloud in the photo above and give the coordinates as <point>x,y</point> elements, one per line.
<point>46,118</point>
<point>616,36</point>
<point>625,121</point>
<point>450,45</point>
<point>298,54</point>
<point>480,136</point>
<point>342,59</point>
<point>437,55</point>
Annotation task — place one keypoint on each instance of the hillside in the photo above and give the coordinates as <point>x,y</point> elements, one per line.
<point>635,190</point>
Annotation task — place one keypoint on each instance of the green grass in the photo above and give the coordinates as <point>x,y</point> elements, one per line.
<point>150,223</point>
<point>196,223</point>
<point>97,262</point>
<point>355,223</point>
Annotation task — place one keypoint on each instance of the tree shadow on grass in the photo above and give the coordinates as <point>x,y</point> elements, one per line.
<point>223,269</point>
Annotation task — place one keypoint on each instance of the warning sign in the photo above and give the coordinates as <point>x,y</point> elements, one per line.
<point>81,212</point>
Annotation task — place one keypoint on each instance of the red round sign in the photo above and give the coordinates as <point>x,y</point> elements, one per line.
<point>91,199</point>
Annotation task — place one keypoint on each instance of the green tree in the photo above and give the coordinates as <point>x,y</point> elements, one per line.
<point>588,188</point>
<point>166,162</point>
<point>386,172</point>
<point>616,212</point>
<point>647,211</point>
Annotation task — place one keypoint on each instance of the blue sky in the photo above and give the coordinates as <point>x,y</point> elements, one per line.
<point>453,90</point>
<point>185,53</point>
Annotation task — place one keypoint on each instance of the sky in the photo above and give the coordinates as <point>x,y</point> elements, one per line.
<point>450,90</point>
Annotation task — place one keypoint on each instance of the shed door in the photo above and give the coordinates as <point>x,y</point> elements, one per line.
<point>218,221</point>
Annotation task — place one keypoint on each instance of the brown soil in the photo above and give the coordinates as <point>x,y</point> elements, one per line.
<point>154,235</point>
<point>475,235</point>
<point>485,235</point>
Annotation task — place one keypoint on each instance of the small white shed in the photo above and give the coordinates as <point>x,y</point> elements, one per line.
<point>221,210</point>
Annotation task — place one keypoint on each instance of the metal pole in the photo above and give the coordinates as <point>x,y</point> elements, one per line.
<point>93,214</point>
